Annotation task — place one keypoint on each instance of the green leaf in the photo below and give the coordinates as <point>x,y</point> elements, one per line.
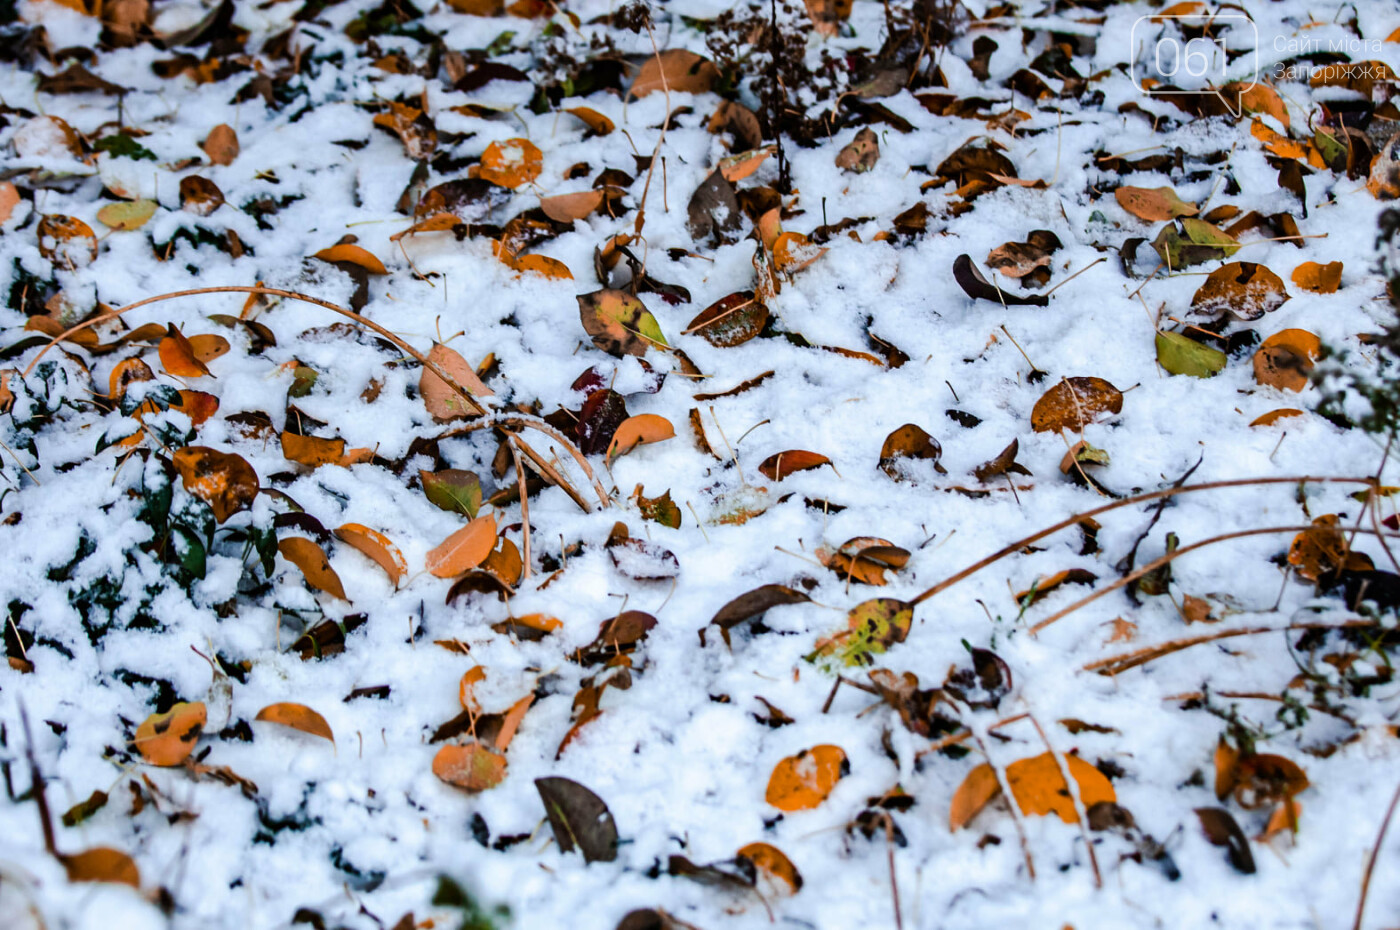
<point>661,510</point>
<point>303,379</point>
<point>120,145</point>
<point>453,489</point>
<point>1183,356</point>
<point>1195,243</point>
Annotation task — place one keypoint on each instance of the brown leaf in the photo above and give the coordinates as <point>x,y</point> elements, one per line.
<point>298,717</point>
<point>168,739</point>
<point>730,321</point>
<point>1043,587</point>
<point>1286,359</point>
<point>442,401</point>
<point>221,145</point>
<point>619,323</point>
<point>311,559</point>
<point>1027,261</point>
<point>223,480</point>
<point>413,127</point>
<point>1004,464</point>
<point>464,549</point>
<point>512,163</point>
<point>102,864</point>
<point>1220,828</point>
<point>861,153</point>
<point>976,286</point>
<point>754,604</point>
<point>975,793</point>
<point>713,210</point>
<point>676,70</point>
<point>803,781</point>
<point>200,196</point>
<point>781,464</point>
<point>639,430</point>
<point>355,255</point>
<point>910,441</point>
<point>1246,289</point>
<point>565,208</point>
<point>1074,403</point>
<point>377,547</point>
<point>1320,279</point>
<point>472,767</point>
<point>1196,610</point>
<point>314,451</point>
<point>66,240</point>
<point>1154,204</point>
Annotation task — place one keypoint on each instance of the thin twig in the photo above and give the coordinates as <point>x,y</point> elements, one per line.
<point>966,713</point>
<point>36,784</point>
<point>1130,660</point>
<point>1371,862</point>
<point>524,503</point>
<point>1080,816</point>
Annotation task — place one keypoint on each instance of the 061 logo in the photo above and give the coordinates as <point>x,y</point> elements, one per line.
<point>1194,53</point>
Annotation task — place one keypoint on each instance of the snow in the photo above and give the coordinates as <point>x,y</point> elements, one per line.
<point>364,827</point>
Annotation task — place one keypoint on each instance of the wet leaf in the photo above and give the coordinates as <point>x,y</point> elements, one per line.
<point>168,739</point>
<point>781,464</point>
<point>804,781</point>
<point>311,559</point>
<point>599,419</point>
<point>1245,289</point>
<point>1286,359</point>
<point>579,818</point>
<point>909,441</point>
<point>472,767</point>
<point>642,429</point>
<point>465,549</point>
<point>453,489</point>
<point>730,321</point>
<point>1153,204</point>
<point>298,717</point>
<point>223,480</point>
<point>1181,355</point>
<point>512,163</point>
<point>377,547</point>
<point>1074,403</point>
<point>619,323</point>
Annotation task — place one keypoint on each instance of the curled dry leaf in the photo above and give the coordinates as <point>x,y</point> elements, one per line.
<point>676,70</point>
<point>579,818</point>
<point>512,163</point>
<point>442,401</point>
<point>465,549</point>
<point>1027,261</point>
<point>619,323</point>
<point>730,321</point>
<point>1074,403</point>
<point>976,286</point>
<point>298,717</point>
<point>472,767</point>
<point>306,555</point>
<point>1153,204</point>
<point>597,123</point>
<point>804,781</point>
<point>775,867</point>
<point>910,441</point>
<point>223,480</point>
<point>1320,279</point>
<point>377,547</point>
<point>639,430</point>
<point>221,145</point>
<point>102,864</point>
<point>1322,549</point>
<point>355,255</point>
<point>177,356</point>
<point>861,153</point>
<point>781,464</point>
<point>1245,289</point>
<point>168,739</point>
<point>1286,359</point>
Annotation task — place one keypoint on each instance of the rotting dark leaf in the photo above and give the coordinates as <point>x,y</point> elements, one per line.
<point>1004,464</point>
<point>909,441</point>
<point>752,605</point>
<point>714,212</point>
<point>730,321</point>
<point>976,286</point>
<point>579,818</point>
<point>618,636</point>
<point>1220,828</point>
<point>599,419</point>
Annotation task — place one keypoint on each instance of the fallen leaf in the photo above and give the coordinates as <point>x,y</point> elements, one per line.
<point>306,555</point>
<point>781,464</point>
<point>1221,830</point>
<point>730,321</point>
<point>442,401</point>
<point>566,208</point>
<point>639,430</point>
<point>804,781</point>
<point>776,868</point>
<point>168,739</point>
<point>1181,355</point>
<point>298,717</point>
<point>512,163</point>
<point>124,215</point>
<point>66,241</point>
<point>221,145</point>
<point>223,480</point>
<point>1153,204</point>
<point>1286,359</point>
<point>793,251</point>
<point>1320,279</point>
<point>377,547</point>
<point>976,286</point>
<point>977,790</point>
<point>1273,416</point>
<point>861,153</point>
<point>453,489</point>
<point>464,549</point>
<point>178,357</point>
<point>472,767</point>
<point>872,627</point>
<point>619,323</point>
<point>1075,403</point>
<point>355,255</point>
<point>1245,289</point>
<point>102,864</point>
<point>909,441</point>
<point>1039,787</point>
<point>597,123</point>
<point>199,195</point>
<point>675,70</point>
<point>579,818</point>
<point>10,198</point>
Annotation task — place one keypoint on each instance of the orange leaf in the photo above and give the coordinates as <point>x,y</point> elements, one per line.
<point>377,546</point>
<point>975,793</point>
<point>298,717</point>
<point>464,549</point>
<point>596,122</point>
<point>127,372</point>
<point>309,450</point>
<point>542,265</point>
<point>778,466</point>
<point>223,480</point>
<point>775,866</point>
<point>207,347</point>
<point>311,559</point>
<point>511,163</point>
<point>803,781</point>
<point>1321,279</point>
<point>438,222</point>
<point>197,405</point>
<point>1273,416</point>
<point>354,255</point>
<point>512,720</point>
<point>9,199</point>
<point>102,864</point>
<point>167,739</point>
<point>1286,359</point>
<point>565,208</point>
<point>465,688</point>
<point>1040,788</point>
<point>1153,204</point>
<point>221,145</point>
<point>442,401</point>
<point>472,767</point>
<point>1074,403</point>
<point>639,430</point>
<point>793,251</point>
<point>66,240</point>
<point>676,70</point>
<point>178,357</point>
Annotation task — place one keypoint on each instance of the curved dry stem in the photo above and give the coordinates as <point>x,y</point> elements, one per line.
<point>520,420</point>
<point>472,403</point>
<point>1371,862</point>
<point>1019,544</point>
<point>1128,660</point>
<point>1072,787</point>
<point>1170,557</point>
